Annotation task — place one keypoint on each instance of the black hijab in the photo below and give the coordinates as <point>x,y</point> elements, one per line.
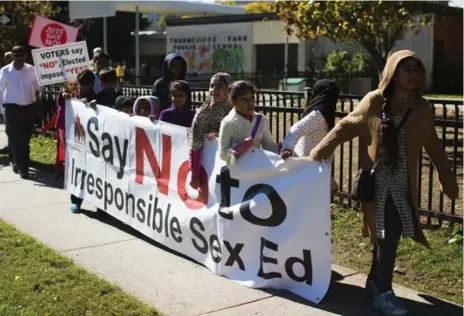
<point>324,99</point>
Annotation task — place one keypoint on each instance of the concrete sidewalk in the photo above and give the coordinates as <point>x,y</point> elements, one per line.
<point>160,278</point>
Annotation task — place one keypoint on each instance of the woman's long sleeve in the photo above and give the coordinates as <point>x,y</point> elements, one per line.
<point>267,142</point>
<point>225,143</point>
<point>348,128</point>
<point>307,126</point>
<point>196,135</point>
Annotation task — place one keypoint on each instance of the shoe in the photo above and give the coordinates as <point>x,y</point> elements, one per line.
<point>75,208</point>
<point>388,304</point>
<point>28,176</point>
<point>371,289</point>
<point>15,168</point>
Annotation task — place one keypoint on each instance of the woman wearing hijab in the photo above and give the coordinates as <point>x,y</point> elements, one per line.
<point>317,120</point>
<point>393,123</point>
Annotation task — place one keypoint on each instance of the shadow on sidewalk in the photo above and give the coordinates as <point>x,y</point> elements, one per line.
<point>352,300</point>
<point>341,299</point>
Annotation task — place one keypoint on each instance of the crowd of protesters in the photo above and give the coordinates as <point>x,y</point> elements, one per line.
<point>392,123</point>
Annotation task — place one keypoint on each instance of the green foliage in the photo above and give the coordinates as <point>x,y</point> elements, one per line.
<point>375,25</point>
<point>23,15</point>
<point>259,7</point>
<point>252,7</point>
<point>342,63</point>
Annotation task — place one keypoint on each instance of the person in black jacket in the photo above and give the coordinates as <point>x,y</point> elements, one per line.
<point>109,82</point>
<point>175,68</point>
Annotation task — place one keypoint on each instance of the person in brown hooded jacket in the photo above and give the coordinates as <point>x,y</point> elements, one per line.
<point>395,148</point>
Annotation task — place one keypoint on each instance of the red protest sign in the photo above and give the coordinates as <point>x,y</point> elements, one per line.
<point>46,33</point>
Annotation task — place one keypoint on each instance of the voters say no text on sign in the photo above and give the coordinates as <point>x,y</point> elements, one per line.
<point>47,33</point>
<point>61,63</point>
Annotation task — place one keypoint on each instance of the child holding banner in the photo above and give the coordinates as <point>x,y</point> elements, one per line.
<point>124,104</point>
<point>147,106</point>
<point>207,121</point>
<point>109,81</point>
<point>317,120</point>
<point>86,80</point>
<point>243,128</point>
<point>181,112</point>
<point>70,88</point>
<point>393,123</point>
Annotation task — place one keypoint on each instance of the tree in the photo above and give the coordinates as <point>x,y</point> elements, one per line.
<point>251,7</point>
<point>375,25</point>
<point>23,15</point>
<point>259,7</point>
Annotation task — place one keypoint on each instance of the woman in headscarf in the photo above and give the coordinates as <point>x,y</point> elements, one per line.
<point>393,123</point>
<point>317,120</point>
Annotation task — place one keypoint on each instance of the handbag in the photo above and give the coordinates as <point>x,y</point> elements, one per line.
<point>364,186</point>
<point>242,147</point>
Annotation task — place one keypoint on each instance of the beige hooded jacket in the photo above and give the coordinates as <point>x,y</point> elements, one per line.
<point>365,122</point>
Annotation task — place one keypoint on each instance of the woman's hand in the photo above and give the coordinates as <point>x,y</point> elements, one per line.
<point>152,117</point>
<point>212,136</point>
<point>66,96</point>
<point>286,153</point>
<point>313,156</point>
<point>195,182</point>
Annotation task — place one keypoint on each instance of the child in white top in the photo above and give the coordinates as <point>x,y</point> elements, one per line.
<point>238,125</point>
<point>317,120</point>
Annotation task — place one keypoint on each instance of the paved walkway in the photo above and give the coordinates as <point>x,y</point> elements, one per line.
<point>160,278</point>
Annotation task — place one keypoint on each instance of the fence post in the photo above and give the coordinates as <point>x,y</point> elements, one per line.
<point>307,94</point>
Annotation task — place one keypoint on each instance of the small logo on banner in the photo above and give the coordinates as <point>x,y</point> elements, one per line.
<point>79,133</point>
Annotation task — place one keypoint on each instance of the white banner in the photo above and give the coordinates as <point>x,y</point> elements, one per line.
<point>60,63</point>
<point>264,222</point>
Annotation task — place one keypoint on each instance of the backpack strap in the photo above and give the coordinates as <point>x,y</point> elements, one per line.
<point>257,123</point>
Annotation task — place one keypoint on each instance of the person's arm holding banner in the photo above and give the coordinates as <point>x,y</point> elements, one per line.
<point>225,143</point>
<point>267,142</point>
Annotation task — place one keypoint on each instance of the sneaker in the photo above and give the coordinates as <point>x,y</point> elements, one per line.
<point>75,208</point>
<point>371,289</point>
<point>388,304</point>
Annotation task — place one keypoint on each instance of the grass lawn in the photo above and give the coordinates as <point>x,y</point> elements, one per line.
<point>437,272</point>
<point>43,149</point>
<point>35,280</point>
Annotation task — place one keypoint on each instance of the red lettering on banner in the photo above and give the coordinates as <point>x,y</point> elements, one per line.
<point>202,199</point>
<point>142,145</point>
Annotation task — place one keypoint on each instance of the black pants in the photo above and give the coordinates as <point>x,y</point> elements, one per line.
<point>384,254</point>
<point>19,124</point>
<point>76,200</point>
<point>10,152</point>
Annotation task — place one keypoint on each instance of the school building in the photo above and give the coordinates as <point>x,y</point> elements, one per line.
<point>255,43</point>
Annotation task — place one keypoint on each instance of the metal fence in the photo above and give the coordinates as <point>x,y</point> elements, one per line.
<point>283,109</point>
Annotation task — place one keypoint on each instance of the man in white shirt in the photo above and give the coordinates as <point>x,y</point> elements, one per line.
<point>19,86</point>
